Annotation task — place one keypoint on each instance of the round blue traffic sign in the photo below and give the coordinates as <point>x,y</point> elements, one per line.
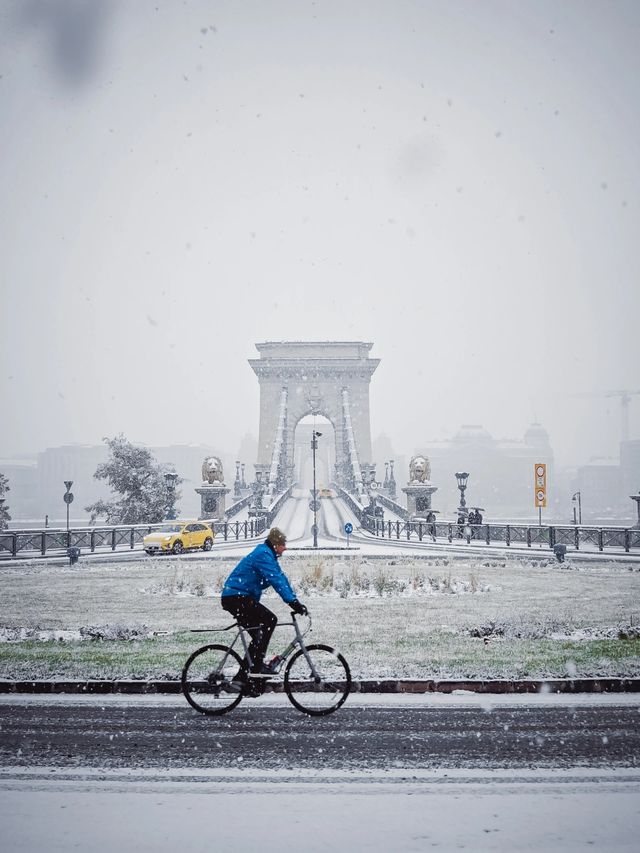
<point>348,528</point>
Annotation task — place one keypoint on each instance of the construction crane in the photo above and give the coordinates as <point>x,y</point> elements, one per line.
<point>625,399</point>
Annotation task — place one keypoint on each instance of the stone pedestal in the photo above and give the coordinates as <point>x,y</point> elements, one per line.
<point>419,499</point>
<point>212,501</point>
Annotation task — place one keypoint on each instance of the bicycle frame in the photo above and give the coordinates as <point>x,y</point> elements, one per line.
<point>242,632</point>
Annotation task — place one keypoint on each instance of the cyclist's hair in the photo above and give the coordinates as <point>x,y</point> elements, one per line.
<point>276,537</point>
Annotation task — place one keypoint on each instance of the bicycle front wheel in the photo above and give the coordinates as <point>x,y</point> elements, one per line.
<point>206,679</point>
<point>321,688</point>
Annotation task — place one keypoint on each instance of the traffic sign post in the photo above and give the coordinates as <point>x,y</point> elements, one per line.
<point>68,498</point>
<point>348,529</point>
<point>540,488</point>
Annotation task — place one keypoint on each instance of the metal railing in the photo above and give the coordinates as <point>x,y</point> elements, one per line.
<point>116,537</point>
<point>276,506</point>
<point>354,505</point>
<point>625,538</point>
<point>240,529</point>
<point>392,505</point>
<point>237,507</point>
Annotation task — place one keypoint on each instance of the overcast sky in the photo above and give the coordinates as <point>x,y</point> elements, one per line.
<point>456,182</point>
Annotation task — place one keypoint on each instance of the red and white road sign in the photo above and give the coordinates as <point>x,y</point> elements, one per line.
<point>540,484</point>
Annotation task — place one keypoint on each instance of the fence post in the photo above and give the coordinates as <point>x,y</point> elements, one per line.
<point>397,529</point>
<point>627,540</point>
<point>43,543</point>
<point>600,540</point>
<point>14,545</point>
<point>113,539</point>
<point>528,537</point>
<point>450,533</point>
<point>93,541</point>
<point>576,538</point>
<point>488,535</point>
<point>226,530</point>
<point>420,531</point>
<point>552,536</point>
<point>507,535</point>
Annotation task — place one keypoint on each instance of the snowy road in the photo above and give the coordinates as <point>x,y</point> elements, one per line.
<point>365,734</point>
<point>396,774</point>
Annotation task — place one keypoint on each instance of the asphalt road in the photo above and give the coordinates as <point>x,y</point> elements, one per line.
<point>110,735</point>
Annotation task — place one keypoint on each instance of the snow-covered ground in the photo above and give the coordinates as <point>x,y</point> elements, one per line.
<point>392,615</point>
<point>512,812</point>
<point>563,811</point>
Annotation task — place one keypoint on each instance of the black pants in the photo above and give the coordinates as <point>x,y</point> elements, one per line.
<point>259,621</point>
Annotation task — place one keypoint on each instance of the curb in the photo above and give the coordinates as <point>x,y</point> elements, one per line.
<point>546,686</point>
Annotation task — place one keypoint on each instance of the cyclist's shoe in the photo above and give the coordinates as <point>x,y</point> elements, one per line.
<point>253,689</point>
<point>265,671</point>
<point>237,683</point>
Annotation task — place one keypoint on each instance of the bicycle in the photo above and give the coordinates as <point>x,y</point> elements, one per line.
<point>317,678</point>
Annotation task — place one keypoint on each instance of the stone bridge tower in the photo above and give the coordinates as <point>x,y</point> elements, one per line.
<point>314,378</point>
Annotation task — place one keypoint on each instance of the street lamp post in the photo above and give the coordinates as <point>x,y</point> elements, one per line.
<point>170,481</point>
<point>577,496</point>
<point>462,478</point>
<point>237,484</point>
<point>314,446</point>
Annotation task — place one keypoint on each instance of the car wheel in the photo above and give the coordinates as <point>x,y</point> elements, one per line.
<point>178,547</point>
<point>208,544</point>
<point>148,551</point>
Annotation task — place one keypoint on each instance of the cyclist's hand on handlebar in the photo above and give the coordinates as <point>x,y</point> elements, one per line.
<point>298,607</point>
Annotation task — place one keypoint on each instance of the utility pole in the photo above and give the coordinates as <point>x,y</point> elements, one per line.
<point>577,496</point>
<point>314,446</point>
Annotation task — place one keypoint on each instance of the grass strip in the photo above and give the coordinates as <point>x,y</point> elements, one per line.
<point>439,655</point>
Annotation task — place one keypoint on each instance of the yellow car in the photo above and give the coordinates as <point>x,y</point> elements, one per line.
<point>179,536</point>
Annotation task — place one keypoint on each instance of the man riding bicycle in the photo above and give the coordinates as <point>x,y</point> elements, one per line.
<point>241,597</point>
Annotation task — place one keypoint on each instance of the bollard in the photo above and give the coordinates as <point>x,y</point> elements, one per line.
<point>73,554</point>
<point>560,551</point>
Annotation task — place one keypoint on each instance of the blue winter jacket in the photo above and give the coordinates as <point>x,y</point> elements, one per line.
<point>257,571</point>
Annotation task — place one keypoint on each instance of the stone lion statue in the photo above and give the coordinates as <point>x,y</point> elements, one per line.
<point>212,471</point>
<point>419,469</point>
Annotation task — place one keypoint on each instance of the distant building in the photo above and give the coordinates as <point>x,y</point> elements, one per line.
<point>500,470</point>
<point>630,467</point>
<point>22,477</point>
<point>605,485</point>
<point>76,462</point>
<point>600,485</point>
<point>37,485</point>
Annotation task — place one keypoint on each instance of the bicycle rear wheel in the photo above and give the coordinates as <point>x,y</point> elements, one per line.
<point>324,692</point>
<point>206,679</point>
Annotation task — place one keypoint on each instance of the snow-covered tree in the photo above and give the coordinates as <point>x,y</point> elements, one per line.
<point>141,494</point>
<point>5,518</point>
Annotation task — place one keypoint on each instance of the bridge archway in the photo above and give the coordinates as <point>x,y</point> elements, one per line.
<point>303,456</point>
<point>329,378</point>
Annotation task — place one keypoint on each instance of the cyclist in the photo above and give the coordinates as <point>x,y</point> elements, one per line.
<point>241,597</point>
